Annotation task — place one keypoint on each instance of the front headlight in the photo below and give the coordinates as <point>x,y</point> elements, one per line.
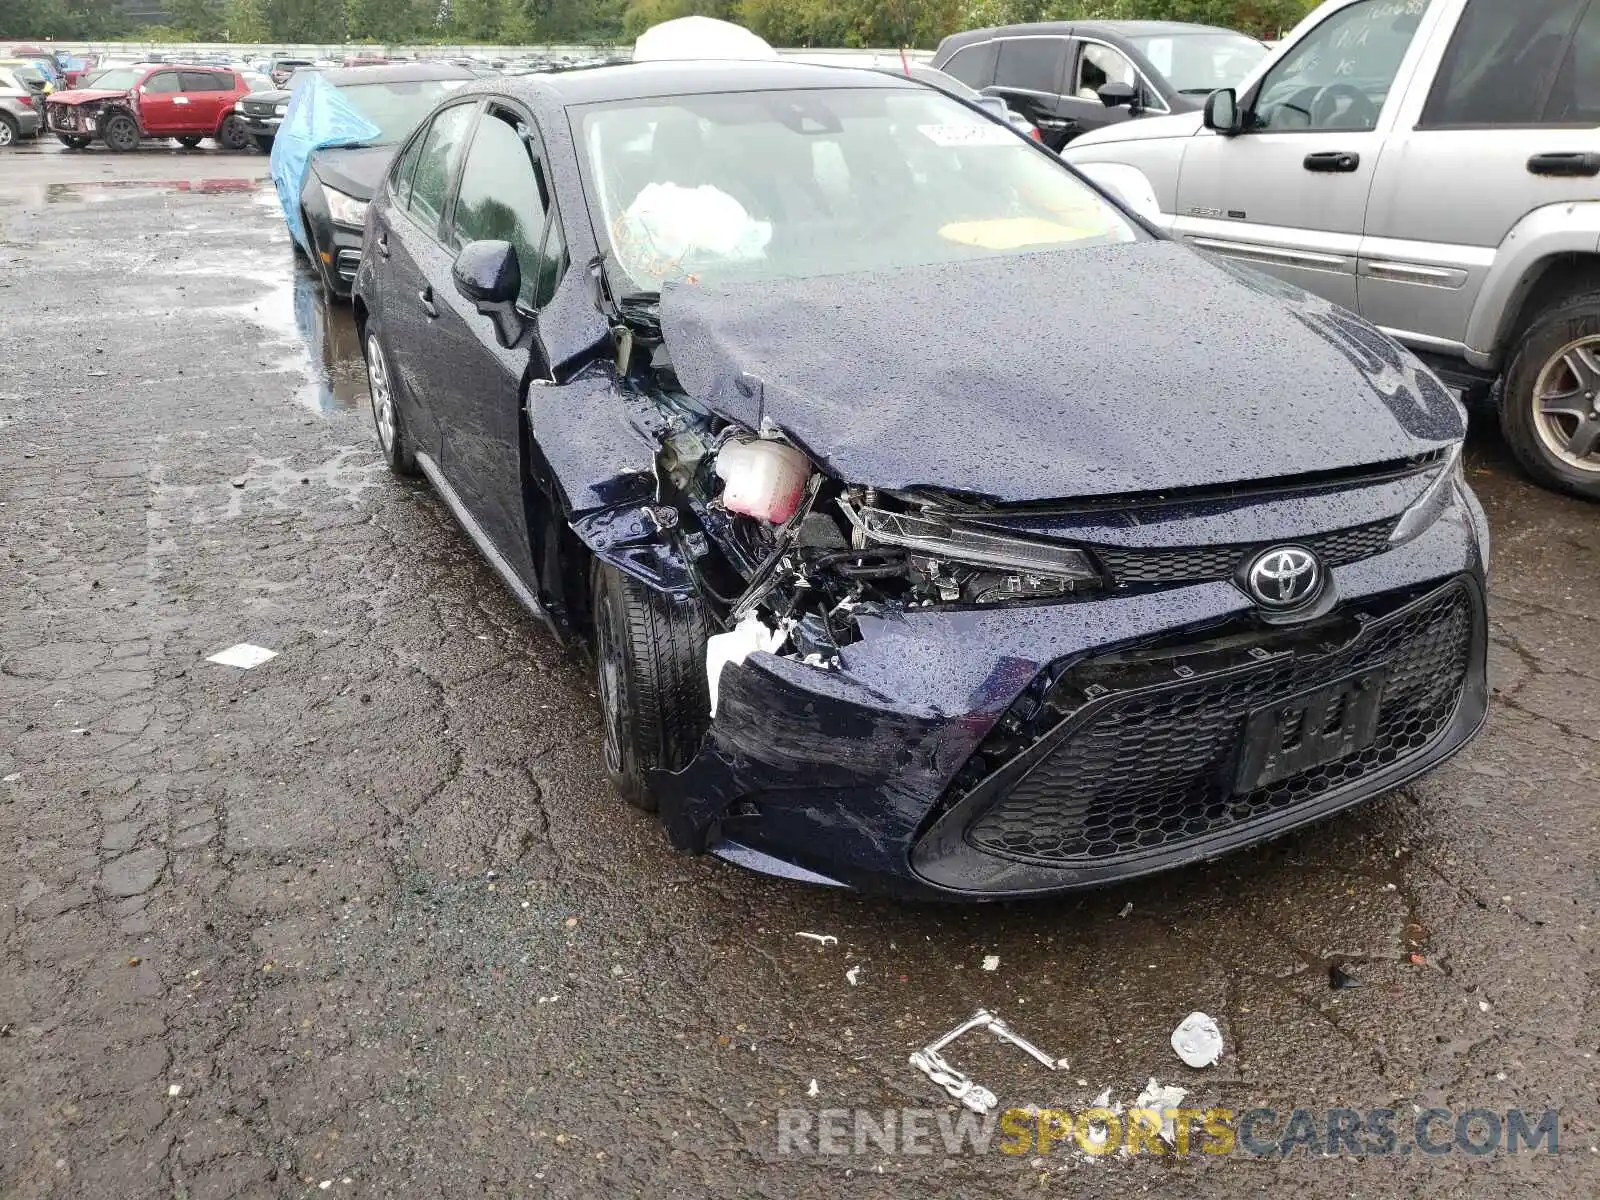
<point>1432,503</point>
<point>950,542</point>
<point>281,111</point>
<point>345,210</point>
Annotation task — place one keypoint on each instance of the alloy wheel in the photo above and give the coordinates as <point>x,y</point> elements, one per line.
<point>382,394</point>
<point>7,136</point>
<point>1566,403</point>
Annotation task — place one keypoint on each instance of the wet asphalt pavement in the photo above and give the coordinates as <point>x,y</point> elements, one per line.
<point>366,920</point>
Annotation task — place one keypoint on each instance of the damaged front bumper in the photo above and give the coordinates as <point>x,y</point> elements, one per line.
<point>985,752</point>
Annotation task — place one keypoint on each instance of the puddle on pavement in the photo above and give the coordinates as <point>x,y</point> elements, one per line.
<point>101,191</point>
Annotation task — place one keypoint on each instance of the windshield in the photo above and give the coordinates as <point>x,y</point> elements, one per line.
<point>761,185</point>
<point>1198,64</point>
<point>398,108</point>
<point>117,79</point>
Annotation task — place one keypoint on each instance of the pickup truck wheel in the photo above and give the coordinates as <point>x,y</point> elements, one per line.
<point>8,129</point>
<point>72,142</point>
<point>386,419</point>
<point>234,134</point>
<point>120,133</point>
<point>1550,408</point>
<point>650,659</point>
<point>263,143</point>
<point>188,142</point>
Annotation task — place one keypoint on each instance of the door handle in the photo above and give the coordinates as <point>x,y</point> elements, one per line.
<point>1564,164</point>
<point>1339,161</point>
<point>426,297</point>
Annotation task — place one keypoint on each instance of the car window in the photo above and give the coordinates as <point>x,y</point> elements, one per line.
<point>166,81</point>
<point>1031,64</point>
<point>436,164</point>
<point>1575,96</point>
<point>1099,65</point>
<point>1339,75</point>
<point>499,199</point>
<point>1502,62</point>
<point>400,177</point>
<point>204,81</point>
<point>973,65</point>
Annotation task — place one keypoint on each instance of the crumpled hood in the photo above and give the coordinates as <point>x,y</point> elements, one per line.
<point>356,171</point>
<point>86,95</point>
<point>1072,373</point>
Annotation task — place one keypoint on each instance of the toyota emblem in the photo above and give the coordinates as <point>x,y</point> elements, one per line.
<point>1284,577</point>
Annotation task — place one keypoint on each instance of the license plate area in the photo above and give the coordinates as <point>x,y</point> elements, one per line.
<point>1309,730</point>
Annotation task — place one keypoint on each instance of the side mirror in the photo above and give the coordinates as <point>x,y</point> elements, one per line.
<point>1222,113</point>
<point>1117,93</point>
<point>488,275</point>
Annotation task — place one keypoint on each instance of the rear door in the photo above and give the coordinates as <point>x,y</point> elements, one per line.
<point>1030,73</point>
<point>200,105</point>
<point>1289,194</point>
<point>1510,124</point>
<point>503,196</point>
<point>418,260</point>
<point>160,113</point>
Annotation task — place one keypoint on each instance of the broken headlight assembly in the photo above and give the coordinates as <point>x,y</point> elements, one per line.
<point>1430,506</point>
<point>952,562</point>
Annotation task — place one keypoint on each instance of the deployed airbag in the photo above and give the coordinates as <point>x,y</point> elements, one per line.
<point>319,116</point>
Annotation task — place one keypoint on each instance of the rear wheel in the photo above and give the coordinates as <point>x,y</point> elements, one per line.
<point>234,134</point>
<point>8,129</point>
<point>1550,405</point>
<point>120,133</point>
<point>650,657</point>
<point>188,142</point>
<point>73,142</point>
<point>263,143</point>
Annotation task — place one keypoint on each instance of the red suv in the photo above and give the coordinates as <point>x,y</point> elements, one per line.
<point>127,104</point>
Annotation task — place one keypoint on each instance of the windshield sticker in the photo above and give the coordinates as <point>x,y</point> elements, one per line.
<point>986,134</point>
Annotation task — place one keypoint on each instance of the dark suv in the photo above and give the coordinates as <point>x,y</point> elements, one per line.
<point>1069,77</point>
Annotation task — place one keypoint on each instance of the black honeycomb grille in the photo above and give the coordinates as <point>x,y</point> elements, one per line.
<point>1157,769</point>
<point>1198,564</point>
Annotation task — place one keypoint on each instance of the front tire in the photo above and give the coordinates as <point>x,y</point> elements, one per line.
<point>650,659</point>
<point>120,133</point>
<point>393,439</point>
<point>9,131</point>
<point>1550,405</point>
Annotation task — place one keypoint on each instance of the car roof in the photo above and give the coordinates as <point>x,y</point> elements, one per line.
<point>1111,29</point>
<point>629,81</point>
<point>393,73</point>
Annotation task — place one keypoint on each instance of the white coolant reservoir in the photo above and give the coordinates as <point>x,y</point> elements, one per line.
<point>762,479</point>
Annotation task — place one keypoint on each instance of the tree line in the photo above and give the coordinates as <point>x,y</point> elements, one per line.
<point>821,23</point>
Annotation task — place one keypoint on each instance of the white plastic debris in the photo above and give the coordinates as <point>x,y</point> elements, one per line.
<point>1126,909</point>
<point>13,777</point>
<point>244,655</point>
<point>1160,1099</point>
<point>813,1090</point>
<point>821,939</point>
<point>991,962</point>
<point>738,644</point>
<point>174,1089</point>
<point>1197,1040</point>
<point>853,975</point>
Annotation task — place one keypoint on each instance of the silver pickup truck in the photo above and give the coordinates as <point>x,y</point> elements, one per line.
<point>1433,165</point>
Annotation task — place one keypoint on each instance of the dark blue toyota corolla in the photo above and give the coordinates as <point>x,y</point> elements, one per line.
<point>936,526</point>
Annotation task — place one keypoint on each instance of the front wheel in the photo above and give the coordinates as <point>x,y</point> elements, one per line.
<point>8,129</point>
<point>120,133</point>
<point>1550,405</point>
<point>386,418</point>
<point>234,134</point>
<point>650,657</point>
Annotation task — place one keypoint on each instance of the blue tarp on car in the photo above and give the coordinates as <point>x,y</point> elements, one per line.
<point>319,116</point>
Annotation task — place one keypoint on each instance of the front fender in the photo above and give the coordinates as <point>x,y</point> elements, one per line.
<point>1544,234</point>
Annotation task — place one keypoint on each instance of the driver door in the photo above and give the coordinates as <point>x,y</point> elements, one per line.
<point>1289,194</point>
